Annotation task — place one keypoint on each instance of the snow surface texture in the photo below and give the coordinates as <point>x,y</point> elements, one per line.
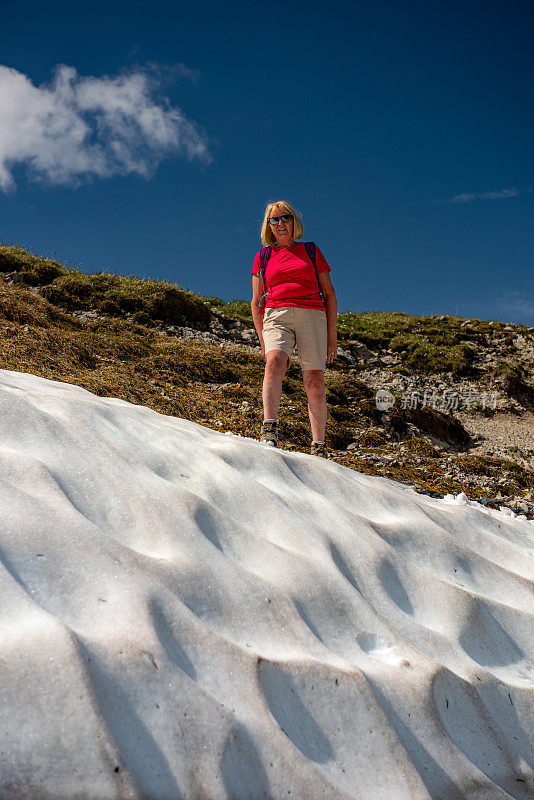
<point>188,614</point>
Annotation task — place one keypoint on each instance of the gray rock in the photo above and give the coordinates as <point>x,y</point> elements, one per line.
<point>344,355</point>
<point>360,350</point>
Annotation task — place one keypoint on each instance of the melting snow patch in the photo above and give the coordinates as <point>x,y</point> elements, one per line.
<point>187,613</point>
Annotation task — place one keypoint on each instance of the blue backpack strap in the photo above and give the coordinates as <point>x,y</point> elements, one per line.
<point>310,249</point>
<point>265,254</point>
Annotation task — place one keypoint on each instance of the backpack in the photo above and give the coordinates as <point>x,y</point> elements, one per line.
<point>265,254</point>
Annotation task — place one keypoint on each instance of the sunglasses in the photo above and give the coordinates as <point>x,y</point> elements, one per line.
<point>284,218</point>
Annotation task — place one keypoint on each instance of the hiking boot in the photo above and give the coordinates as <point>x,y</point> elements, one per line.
<point>319,449</point>
<point>268,433</point>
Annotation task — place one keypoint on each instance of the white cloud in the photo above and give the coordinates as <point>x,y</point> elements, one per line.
<point>471,196</point>
<point>515,307</point>
<point>78,128</point>
<point>511,306</point>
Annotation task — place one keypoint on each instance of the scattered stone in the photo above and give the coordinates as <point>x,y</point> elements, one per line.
<point>13,277</point>
<point>360,350</point>
<point>344,355</point>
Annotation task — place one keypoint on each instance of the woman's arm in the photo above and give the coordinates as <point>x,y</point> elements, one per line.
<point>330,298</point>
<point>257,316</point>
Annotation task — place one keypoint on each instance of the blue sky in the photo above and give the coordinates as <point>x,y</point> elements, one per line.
<point>402,131</point>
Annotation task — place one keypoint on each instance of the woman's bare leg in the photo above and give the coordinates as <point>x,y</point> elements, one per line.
<point>276,364</point>
<point>314,386</point>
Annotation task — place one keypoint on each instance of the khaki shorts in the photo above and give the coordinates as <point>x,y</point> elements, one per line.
<point>287,326</point>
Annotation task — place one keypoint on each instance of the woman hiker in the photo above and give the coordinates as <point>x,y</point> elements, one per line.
<point>293,302</point>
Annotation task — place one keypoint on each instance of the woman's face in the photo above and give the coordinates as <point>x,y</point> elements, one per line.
<point>282,231</point>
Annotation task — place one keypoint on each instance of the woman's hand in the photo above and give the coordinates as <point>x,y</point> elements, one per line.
<point>262,343</point>
<point>330,299</point>
<point>331,347</point>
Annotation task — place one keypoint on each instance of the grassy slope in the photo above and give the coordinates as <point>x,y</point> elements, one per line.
<point>127,354</point>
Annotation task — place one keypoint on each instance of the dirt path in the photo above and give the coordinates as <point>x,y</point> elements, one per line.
<point>504,434</point>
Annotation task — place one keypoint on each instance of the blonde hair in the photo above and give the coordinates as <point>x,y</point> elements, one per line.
<point>267,236</point>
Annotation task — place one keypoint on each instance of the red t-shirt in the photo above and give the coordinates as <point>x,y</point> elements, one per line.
<point>290,278</point>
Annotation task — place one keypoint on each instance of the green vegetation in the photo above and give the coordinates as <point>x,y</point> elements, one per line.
<point>424,357</point>
<point>511,377</point>
<point>372,438</point>
<point>421,447</point>
<point>514,476</point>
<point>34,270</point>
<point>379,328</point>
<point>149,301</point>
<point>235,309</point>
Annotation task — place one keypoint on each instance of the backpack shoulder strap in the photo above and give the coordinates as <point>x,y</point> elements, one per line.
<point>265,254</point>
<point>310,249</point>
